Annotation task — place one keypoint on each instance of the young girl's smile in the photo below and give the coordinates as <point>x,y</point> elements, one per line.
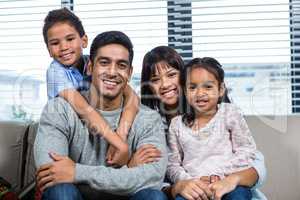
<point>203,91</point>
<point>165,84</point>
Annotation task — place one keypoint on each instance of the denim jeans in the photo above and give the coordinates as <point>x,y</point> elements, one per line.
<point>67,191</point>
<point>64,191</point>
<point>239,193</point>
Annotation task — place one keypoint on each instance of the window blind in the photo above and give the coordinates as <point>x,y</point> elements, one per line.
<point>256,41</point>
<point>252,41</point>
<point>23,58</point>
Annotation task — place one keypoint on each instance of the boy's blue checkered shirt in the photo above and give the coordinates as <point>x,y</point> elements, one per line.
<point>60,77</point>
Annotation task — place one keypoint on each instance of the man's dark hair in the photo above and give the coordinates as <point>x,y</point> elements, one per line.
<point>62,15</point>
<point>111,37</point>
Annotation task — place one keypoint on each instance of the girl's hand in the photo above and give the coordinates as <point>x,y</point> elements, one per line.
<point>192,189</point>
<point>117,157</point>
<point>145,154</point>
<point>224,186</point>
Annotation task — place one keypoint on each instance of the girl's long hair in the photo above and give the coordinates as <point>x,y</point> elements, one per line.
<point>172,59</point>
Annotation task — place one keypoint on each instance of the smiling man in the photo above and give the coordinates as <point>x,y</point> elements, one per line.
<point>71,162</point>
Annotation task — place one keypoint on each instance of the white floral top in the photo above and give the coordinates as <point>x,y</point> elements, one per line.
<point>225,145</point>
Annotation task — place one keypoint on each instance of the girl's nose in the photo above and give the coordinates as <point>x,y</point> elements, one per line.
<point>165,82</point>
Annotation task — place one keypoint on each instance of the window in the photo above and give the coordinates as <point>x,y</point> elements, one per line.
<point>256,41</point>
<point>251,39</point>
<point>23,58</point>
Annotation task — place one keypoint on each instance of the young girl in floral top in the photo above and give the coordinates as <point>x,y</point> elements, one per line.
<point>211,140</point>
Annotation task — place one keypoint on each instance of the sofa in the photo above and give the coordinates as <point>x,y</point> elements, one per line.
<point>276,136</point>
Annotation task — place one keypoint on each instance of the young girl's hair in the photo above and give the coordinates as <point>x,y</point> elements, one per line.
<point>213,67</point>
<point>158,54</point>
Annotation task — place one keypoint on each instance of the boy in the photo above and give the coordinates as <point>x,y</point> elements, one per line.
<point>65,39</point>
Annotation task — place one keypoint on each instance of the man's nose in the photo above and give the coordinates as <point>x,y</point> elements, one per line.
<point>112,70</point>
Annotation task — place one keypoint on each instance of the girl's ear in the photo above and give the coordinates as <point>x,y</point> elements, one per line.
<point>222,89</point>
<point>89,68</point>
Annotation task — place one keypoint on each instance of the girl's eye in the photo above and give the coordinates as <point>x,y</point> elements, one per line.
<point>173,74</point>
<point>154,80</point>
<point>191,87</point>
<point>208,86</point>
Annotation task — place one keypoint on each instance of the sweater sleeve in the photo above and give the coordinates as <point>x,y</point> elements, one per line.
<point>243,144</point>
<point>53,131</point>
<point>175,171</point>
<point>130,180</point>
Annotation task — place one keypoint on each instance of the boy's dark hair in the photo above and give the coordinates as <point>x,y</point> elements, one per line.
<point>62,15</point>
<point>213,67</point>
<point>111,37</point>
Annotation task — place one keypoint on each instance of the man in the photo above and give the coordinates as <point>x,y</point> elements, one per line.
<point>71,162</point>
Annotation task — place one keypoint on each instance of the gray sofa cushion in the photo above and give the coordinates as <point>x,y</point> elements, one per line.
<point>12,135</point>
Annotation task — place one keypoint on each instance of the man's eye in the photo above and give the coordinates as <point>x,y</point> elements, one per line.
<point>70,39</point>
<point>103,62</point>
<point>123,66</point>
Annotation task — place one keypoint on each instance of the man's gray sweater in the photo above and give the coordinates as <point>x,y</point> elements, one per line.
<point>63,132</point>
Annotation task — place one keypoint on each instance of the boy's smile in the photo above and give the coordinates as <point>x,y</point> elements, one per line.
<point>65,44</point>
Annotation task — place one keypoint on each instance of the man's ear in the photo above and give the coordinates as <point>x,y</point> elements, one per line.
<point>84,41</point>
<point>130,73</point>
<point>89,68</point>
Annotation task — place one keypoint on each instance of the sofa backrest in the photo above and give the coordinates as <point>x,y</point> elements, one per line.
<point>12,155</point>
<point>278,139</point>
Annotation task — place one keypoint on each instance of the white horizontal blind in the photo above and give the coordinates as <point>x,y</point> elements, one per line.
<point>23,57</point>
<point>144,21</point>
<point>252,41</point>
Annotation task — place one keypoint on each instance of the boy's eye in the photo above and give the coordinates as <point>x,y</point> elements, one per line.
<point>53,43</point>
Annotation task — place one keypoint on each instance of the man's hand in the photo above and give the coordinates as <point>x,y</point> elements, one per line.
<point>192,189</point>
<point>62,170</point>
<point>145,154</point>
<point>117,157</point>
<point>224,186</point>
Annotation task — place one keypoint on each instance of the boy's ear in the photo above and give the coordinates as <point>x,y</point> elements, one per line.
<point>89,68</point>
<point>50,54</point>
<point>84,41</point>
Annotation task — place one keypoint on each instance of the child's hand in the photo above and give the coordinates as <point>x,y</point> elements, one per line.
<point>192,189</point>
<point>117,157</point>
<point>224,186</point>
<point>145,154</point>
